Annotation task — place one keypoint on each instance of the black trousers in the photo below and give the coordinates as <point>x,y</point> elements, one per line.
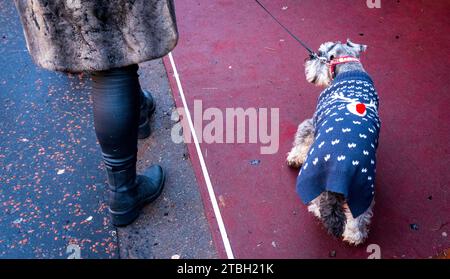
<point>116,95</point>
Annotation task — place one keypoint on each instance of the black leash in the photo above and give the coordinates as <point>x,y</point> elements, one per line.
<point>312,53</point>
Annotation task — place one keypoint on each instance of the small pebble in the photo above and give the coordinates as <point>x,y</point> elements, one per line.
<point>414,227</point>
<point>175,257</point>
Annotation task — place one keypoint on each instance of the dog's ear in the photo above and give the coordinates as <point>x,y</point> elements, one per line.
<point>357,47</point>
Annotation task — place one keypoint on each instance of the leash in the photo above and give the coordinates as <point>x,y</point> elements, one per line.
<point>311,53</point>
<point>331,65</point>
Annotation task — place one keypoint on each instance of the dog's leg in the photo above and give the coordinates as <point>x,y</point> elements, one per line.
<point>314,206</point>
<point>357,229</point>
<point>303,141</point>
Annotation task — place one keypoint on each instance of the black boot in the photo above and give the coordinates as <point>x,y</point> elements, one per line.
<point>146,111</point>
<point>130,192</point>
<point>116,95</point>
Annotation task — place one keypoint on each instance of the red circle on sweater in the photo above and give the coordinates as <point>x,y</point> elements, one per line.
<point>360,108</point>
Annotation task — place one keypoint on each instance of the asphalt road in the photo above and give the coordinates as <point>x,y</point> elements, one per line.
<point>52,182</point>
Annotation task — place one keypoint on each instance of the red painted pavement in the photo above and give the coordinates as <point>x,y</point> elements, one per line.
<point>409,60</point>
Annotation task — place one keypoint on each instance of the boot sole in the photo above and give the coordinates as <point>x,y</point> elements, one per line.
<point>124,218</point>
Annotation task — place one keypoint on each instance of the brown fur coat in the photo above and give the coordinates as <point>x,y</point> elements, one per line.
<point>93,35</point>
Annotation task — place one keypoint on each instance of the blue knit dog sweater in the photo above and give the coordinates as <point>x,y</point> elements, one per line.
<point>342,157</point>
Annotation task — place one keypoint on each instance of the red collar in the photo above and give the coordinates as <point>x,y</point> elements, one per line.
<point>340,60</point>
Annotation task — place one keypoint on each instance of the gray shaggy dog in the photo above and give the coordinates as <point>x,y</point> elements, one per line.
<point>336,148</point>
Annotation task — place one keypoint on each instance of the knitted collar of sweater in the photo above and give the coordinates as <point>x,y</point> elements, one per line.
<point>352,75</point>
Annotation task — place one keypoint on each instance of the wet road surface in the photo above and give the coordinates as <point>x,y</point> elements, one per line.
<point>52,182</point>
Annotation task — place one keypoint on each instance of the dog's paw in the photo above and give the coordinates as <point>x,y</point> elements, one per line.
<point>354,238</point>
<point>293,161</point>
<point>293,164</point>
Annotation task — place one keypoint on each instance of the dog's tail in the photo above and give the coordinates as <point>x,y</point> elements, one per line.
<point>332,213</point>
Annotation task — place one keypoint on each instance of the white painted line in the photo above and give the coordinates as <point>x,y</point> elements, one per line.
<point>212,196</point>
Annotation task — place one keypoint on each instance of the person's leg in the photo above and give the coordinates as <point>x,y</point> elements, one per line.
<point>116,98</point>
<point>116,113</point>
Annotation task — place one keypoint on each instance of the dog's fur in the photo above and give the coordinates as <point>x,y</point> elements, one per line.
<point>331,208</point>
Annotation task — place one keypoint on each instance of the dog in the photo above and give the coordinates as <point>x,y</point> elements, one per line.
<point>336,147</point>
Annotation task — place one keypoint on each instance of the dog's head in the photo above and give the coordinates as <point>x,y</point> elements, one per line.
<point>317,68</point>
